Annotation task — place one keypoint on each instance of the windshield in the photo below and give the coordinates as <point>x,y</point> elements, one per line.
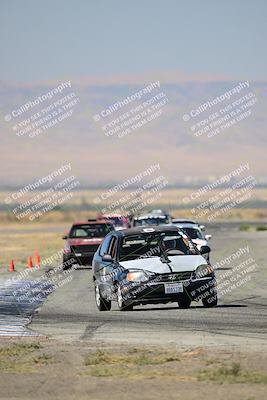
<point>118,221</point>
<point>90,231</point>
<point>193,233</point>
<point>151,221</point>
<point>146,245</point>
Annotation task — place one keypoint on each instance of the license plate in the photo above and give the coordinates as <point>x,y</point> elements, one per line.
<point>173,288</point>
<point>78,254</point>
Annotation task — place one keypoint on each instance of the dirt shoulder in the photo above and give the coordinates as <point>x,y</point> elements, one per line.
<point>48,369</point>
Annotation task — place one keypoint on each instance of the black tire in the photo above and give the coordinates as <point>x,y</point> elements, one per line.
<point>101,303</point>
<point>66,264</point>
<point>121,303</point>
<point>184,303</point>
<point>210,301</point>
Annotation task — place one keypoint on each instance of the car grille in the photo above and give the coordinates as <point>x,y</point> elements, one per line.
<point>85,248</point>
<point>175,277</point>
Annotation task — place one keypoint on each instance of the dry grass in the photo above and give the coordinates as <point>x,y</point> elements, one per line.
<point>82,205</point>
<point>157,363</point>
<point>19,246</point>
<point>23,358</point>
<point>133,363</point>
<point>133,356</point>
<point>82,370</point>
<point>232,374</point>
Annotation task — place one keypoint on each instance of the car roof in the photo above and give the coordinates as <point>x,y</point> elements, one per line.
<point>150,215</point>
<point>185,220</point>
<point>186,225</point>
<point>158,211</point>
<point>113,215</point>
<point>147,229</point>
<point>93,222</point>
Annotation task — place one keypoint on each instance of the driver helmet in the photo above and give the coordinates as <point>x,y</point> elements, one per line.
<point>169,244</point>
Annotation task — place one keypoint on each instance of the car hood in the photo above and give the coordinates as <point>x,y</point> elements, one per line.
<point>178,264</point>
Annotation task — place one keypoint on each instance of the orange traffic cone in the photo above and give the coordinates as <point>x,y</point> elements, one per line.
<point>30,264</point>
<point>11,266</point>
<point>37,258</point>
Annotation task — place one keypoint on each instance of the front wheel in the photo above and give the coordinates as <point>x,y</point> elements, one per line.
<point>184,302</point>
<point>101,303</point>
<point>121,303</point>
<point>66,264</point>
<point>210,301</point>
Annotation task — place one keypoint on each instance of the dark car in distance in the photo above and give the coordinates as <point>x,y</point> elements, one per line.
<point>157,264</point>
<point>83,241</point>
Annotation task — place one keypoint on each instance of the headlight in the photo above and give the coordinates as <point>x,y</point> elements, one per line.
<point>203,270</point>
<point>138,276</point>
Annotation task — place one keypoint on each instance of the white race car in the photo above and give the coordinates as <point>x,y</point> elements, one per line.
<point>180,221</point>
<point>194,231</point>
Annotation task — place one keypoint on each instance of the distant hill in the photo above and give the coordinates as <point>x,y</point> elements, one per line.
<point>168,140</point>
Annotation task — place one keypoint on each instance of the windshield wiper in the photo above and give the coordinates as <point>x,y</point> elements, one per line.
<point>164,256</point>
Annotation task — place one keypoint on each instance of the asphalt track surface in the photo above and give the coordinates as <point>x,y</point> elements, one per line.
<point>18,302</point>
<point>240,319</point>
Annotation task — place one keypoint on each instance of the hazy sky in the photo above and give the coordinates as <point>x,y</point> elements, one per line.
<point>52,39</point>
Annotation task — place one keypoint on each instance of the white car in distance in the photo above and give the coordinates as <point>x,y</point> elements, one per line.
<point>195,233</point>
<point>181,221</point>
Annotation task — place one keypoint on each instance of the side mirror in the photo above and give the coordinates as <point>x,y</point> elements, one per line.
<point>208,237</point>
<point>107,257</point>
<point>204,249</point>
<point>202,227</point>
<point>64,237</point>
